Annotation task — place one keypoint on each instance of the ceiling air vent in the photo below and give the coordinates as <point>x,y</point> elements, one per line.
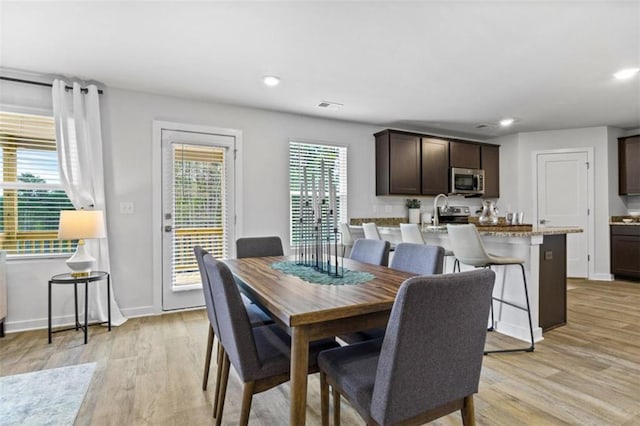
<point>330,105</point>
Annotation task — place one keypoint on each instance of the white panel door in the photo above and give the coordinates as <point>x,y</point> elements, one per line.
<point>563,201</point>
<point>198,210</point>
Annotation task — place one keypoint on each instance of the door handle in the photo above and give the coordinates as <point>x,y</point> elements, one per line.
<point>168,228</point>
<point>543,221</point>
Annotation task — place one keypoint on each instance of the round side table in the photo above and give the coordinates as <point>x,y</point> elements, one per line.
<point>93,277</point>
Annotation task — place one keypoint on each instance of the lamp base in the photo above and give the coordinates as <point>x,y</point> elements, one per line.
<point>81,263</point>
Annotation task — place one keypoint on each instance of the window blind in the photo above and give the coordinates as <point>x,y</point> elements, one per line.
<point>31,195</point>
<point>311,156</point>
<point>199,210</point>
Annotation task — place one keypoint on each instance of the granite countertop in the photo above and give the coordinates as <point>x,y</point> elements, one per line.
<point>505,232</point>
<point>499,231</point>
<point>617,220</point>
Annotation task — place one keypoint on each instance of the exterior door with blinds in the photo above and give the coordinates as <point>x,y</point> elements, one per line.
<point>198,210</point>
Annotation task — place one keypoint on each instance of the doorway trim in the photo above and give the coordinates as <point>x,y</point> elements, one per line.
<point>590,197</point>
<point>156,188</point>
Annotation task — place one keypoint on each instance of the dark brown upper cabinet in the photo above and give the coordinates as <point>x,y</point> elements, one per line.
<point>629,165</point>
<point>464,155</point>
<point>435,166</point>
<point>417,164</point>
<point>490,163</point>
<point>397,163</point>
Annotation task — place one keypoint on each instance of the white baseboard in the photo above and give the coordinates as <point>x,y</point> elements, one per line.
<point>68,320</point>
<point>520,333</point>
<point>601,277</point>
<point>39,323</point>
<point>140,311</point>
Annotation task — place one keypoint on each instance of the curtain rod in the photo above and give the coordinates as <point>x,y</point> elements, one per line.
<point>39,83</point>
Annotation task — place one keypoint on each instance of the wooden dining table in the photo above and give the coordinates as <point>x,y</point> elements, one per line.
<point>315,311</point>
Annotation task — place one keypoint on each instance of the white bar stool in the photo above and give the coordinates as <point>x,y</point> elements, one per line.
<point>371,233</point>
<point>347,238</point>
<point>411,234</point>
<point>468,249</point>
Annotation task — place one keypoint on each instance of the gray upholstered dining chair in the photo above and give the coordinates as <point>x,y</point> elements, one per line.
<point>259,247</point>
<point>428,364</point>
<point>256,318</point>
<point>260,355</point>
<point>469,250</point>
<point>419,259</point>
<point>375,252</point>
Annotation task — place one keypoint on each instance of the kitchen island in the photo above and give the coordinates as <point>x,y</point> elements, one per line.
<point>544,253</point>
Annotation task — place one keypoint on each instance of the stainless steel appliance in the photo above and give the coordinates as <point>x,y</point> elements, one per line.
<point>453,214</point>
<point>467,181</point>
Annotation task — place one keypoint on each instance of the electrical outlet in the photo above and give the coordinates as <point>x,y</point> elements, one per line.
<point>126,207</point>
<point>388,209</point>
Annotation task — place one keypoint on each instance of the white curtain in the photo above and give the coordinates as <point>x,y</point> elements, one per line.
<point>79,143</point>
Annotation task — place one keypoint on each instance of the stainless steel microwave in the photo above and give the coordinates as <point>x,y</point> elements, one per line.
<point>467,181</point>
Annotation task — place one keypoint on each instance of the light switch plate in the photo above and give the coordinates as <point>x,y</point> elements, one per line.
<point>126,207</point>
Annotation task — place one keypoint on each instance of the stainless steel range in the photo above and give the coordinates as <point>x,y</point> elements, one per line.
<point>453,214</point>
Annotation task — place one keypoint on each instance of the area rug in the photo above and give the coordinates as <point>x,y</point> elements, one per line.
<point>46,397</point>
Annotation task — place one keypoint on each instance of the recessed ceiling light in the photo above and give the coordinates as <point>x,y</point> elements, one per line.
<point>506,122</point>
<point>271,80</point>
<point>626,73</point>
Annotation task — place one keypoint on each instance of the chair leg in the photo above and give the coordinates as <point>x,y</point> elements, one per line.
<point>526,296</point>
<point>324,399</point>
<point>247,396</point>
<point>219,362</point>
<point>528,310</point>
<point>223,388</point>
<point>468,412</point>
<point>336,407</point>
<point>207,361</point>
<point>493,320</point>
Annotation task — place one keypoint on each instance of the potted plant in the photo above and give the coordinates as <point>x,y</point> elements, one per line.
<point>413,204</point>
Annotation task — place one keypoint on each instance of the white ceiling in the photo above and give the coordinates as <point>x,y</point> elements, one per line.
<point>415,65</point>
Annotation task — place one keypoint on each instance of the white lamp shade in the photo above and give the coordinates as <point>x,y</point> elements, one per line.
<point>81,224</point>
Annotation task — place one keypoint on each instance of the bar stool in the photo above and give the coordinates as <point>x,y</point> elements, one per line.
<point>468,249</point>
<point>371,232</point>
<point>411,234</point>
<point>347,238</point>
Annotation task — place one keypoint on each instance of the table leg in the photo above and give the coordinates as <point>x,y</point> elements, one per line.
<point>299,370</point>
<point>49,311</point>
<point>86,311</point>
<point>109,300</point>
<point>75,301</point>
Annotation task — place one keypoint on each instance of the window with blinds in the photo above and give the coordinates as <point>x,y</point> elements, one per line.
<point>31,195</point>
<point>311,155</point>
<point>199,210</point>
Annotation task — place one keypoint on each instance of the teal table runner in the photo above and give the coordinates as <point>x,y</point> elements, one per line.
<point>310,275</point>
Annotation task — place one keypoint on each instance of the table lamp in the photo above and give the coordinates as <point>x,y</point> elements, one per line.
<point>81,225</point>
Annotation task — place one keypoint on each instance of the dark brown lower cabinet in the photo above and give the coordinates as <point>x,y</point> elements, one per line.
<point>625,250</point>
<point>553,282</point>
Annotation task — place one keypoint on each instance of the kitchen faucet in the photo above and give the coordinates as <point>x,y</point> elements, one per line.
<point>436,222</point>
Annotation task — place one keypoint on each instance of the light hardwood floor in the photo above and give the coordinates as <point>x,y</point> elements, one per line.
<point>149,370</point>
